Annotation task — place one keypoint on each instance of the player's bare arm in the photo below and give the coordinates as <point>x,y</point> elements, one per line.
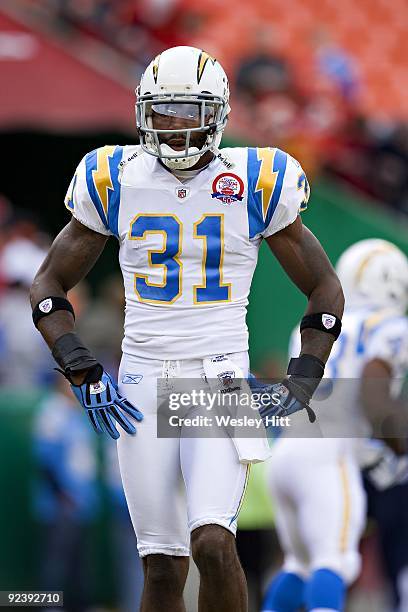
<point>386,414</point>
<point>72,255</point>
<point>304,260</point>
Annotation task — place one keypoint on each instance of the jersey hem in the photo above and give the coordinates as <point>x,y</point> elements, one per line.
<point>275,230</point>
<point>91,227</point>
<point>185,352</point>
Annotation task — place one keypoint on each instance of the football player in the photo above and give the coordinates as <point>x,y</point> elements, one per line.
<point>316,482</point>
<point>189,219</point>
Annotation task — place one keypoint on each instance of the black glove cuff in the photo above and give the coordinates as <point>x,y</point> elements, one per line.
<point>298,389</point>
<point>307,366</point>
<point>71,355</point>
<point>305,372</point>
<point>94,374</point>
<point>301,391</point>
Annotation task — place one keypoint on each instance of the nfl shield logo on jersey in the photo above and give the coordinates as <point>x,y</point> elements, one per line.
<point>182,192</point>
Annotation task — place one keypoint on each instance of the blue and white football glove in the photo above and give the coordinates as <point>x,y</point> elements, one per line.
<point>293,393</point>
<point>286,398</point>
<point>99,396</point>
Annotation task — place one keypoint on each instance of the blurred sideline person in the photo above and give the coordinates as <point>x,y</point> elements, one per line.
<point>105,311</point>
<point>66,500</point>
<point>22,356</point>
<point>127,563</point>
<point>190,219</point>
<point>320,501</point>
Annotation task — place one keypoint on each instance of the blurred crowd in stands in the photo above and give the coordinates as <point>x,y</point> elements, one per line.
<point>139,30</point>
<point>318,119</point>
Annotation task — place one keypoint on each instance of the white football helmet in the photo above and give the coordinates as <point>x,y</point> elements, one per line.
<point>184,83</point>
<point>374,272</point>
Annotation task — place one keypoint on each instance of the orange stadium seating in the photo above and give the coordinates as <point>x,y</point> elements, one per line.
<point>374,32</point>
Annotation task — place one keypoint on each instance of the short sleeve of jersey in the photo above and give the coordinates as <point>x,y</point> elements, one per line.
<point>94,193</point>
<point>388,341</point>
<point>277,191</point>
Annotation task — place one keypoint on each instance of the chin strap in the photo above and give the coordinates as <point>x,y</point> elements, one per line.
<point>180,163</point>
<point>188,174</point>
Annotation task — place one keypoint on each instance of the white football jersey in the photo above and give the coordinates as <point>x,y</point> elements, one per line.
<point>188,250</point>
<point>367,334</point>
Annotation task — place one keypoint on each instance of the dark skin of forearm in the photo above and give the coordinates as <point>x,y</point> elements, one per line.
<point>387,415</point>
<point>72,255</point>
<point>307,265</point>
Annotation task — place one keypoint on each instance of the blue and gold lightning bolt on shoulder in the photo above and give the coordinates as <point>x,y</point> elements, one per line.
<point>266,171</point>
<point>102,172</point>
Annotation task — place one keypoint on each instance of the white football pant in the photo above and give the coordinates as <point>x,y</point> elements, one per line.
<point>174,485</point>
<point>320,505</point>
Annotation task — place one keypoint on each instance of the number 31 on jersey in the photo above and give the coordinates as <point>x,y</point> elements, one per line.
<point>210,230</point>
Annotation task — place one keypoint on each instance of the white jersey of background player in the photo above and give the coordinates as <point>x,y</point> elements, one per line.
<point>320,503</point>
<point>189,220</point>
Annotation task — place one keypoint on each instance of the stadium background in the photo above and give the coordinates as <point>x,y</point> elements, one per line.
<point>322,79</point>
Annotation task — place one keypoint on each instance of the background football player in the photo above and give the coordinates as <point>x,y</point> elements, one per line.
<point>189,221</point>
<point>319,496</point>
